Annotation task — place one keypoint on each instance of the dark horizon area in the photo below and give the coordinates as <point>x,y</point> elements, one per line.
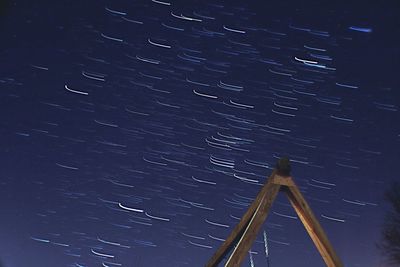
<point>137,133</point>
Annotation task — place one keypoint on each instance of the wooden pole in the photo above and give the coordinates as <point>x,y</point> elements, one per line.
<point>257,220</point>
<point>314,229</point>
<point>238,231</point>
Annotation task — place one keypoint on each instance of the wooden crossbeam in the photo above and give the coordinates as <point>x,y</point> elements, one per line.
<point>243,235</point>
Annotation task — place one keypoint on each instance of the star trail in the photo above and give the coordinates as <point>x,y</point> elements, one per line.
<point>137,133</point>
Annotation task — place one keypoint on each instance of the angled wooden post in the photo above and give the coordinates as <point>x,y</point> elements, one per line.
<point>253,227</point>
<point>238,231</point>
<point>245,232</point>
<point>314,229</point>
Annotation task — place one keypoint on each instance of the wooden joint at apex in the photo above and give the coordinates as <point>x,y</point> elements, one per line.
<point>280,180</point>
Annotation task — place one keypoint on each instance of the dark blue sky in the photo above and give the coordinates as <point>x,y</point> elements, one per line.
<point>136,133</point>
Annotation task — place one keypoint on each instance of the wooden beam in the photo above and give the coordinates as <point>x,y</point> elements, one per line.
<point>312,226</point>
<point>238,231</point>
<point>252,229</point>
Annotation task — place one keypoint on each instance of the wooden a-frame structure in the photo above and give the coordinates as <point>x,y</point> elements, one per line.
<point>245,232</point>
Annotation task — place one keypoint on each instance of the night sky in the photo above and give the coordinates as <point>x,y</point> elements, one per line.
<point>136,133</point>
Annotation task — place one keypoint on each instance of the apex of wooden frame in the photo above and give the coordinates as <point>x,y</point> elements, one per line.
<point>245,232</point>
